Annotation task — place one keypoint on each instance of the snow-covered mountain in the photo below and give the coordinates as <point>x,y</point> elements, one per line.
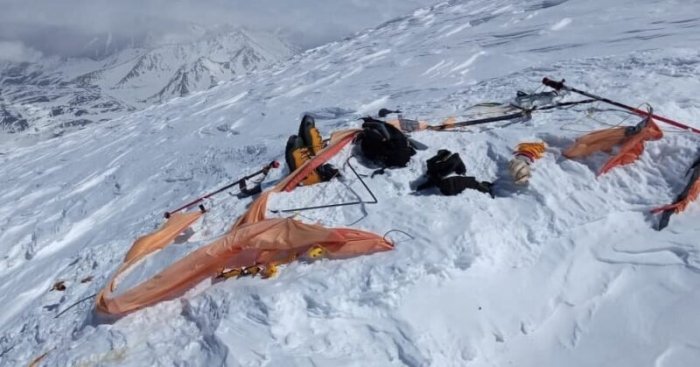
<point>565,272</point>
<point>38,98</point>
<point>177,70</point>
<point>58,93</point>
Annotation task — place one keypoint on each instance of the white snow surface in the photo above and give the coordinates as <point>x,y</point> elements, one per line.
<point>565,272</point>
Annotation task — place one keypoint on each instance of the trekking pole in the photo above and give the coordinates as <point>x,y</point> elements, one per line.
<point>564,104</point>
<point>560,85</point>
<point>264,170</point>
<point>523,113</point>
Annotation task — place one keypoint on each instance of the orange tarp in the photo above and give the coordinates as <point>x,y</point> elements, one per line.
<point>161,238</point>
<point>681,205</point>
<point>256,211</point>
<point>253,240</point>
<point>277,241</point>
<point>689,194</point>
<point>631,145</point>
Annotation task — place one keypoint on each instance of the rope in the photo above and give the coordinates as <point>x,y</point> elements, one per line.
<point>74,304</point>
<point>577,122</point>
<point>629,115</point>
<point>532,150</point>
<point>393,243</point>
<point>589,115</point>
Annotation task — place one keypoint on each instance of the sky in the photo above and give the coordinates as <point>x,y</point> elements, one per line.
<point>31,28</point>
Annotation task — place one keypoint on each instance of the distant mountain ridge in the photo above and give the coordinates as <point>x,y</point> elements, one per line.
<point>55,94</point>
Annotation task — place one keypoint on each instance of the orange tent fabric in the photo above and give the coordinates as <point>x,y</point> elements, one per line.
<point>253,240</point>
<point>682,204</point>
<point>269,241</point>
<point>689,194</point>
<point>256,211</point>
<point>338,141</point>
<point>176,224</point>
<point>631,143</point>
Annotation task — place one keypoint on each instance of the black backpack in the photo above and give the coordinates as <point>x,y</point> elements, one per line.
<point>384,144</point>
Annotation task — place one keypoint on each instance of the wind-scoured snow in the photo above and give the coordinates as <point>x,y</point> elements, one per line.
<point>567,271</point>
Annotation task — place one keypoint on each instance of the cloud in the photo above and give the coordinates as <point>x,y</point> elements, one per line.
<point>69,27</point>
<point>17,52</point>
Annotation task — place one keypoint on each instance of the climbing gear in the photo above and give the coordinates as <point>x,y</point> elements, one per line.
<point>533,100</point>
<point>296,154</point>
<point>241,183</point>
<point>515,112</point>
<point>301,148</point>
<point>524,155</point>
<point>519,110</point>
<point>310,135</point>
<point>531,150</point>
<point>265,272</point>
<point>522,115</point>
<point>316,252</point>
<point>561,86</point>
<point>519,168</point>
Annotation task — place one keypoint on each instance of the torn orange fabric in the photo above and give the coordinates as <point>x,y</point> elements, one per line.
<point>256,211</point>
<point>338,141</point>
<point>176,224</point>
<point>689,194</point>
<point>681,205</point>
<point>277,241</point>
<point>253,240</point>
<point>631,143</point>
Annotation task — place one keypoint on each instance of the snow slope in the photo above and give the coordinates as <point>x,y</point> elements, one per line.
<point>567,271</point>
